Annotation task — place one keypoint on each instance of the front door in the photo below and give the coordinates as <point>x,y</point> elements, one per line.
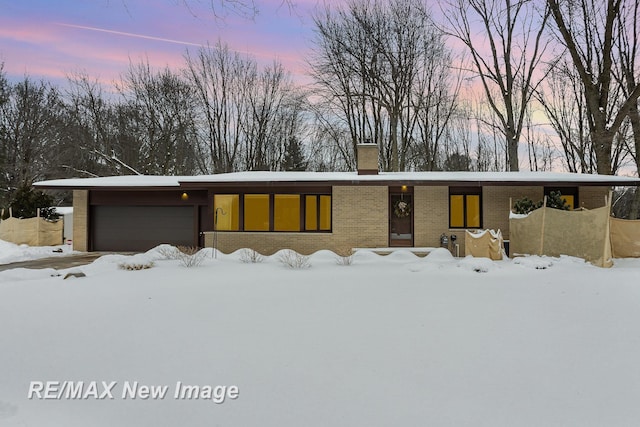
<point>400,218</point>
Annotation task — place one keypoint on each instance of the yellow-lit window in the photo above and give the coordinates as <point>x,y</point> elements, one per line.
<point>473,210</point>
<point>226,209</point>
<point>286,212</point>
<point>311,213</point>
<point>256,212</point>
<point>570,201</point>
<point>325,213</point>
<point>465,208</point>
<point>456,211</point>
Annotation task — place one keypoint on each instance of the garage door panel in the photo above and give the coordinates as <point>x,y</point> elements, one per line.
<point>139,228</point>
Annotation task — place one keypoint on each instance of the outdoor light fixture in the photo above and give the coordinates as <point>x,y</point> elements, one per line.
<point>404,188</point>
<point>184,196</point>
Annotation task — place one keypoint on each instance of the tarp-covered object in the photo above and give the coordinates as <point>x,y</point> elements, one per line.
<point>31,231</point>
<point>625,238</point>
<point>484,244</point>
<point>554,232</point>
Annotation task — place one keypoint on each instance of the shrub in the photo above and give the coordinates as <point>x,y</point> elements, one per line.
<point>135,264</point>
<point>169,252</point>
<point>250,256</point>
<point>344,255</point>
<point>526,205</point>
<point>294,260</point>
<point>190,256</point>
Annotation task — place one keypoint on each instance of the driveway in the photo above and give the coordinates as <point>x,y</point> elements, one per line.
<point>59,262</point>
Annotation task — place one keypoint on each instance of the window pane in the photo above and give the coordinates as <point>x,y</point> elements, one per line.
<point>226,209</point>
<point>325,213</point>
<point>286,213</point>
<point>473,211</point>
<point>456,211</point>
<point>256,212</point>
<point>570,201</point>
<point>311,213</point>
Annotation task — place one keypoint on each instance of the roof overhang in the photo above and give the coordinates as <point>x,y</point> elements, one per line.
<point>311,179</point>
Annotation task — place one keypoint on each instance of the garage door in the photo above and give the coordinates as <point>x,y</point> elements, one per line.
<point>140,228</point>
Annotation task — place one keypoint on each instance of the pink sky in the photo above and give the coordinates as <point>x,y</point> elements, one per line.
<point>51,39</point>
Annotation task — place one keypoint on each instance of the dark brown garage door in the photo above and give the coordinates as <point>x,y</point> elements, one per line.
<point>140,228</point>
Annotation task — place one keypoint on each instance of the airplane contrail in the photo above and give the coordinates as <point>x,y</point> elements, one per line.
<point>122,33</point>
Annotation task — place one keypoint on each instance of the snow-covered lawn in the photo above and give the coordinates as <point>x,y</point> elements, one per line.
<point>10,252</point>
<point>387,341</point>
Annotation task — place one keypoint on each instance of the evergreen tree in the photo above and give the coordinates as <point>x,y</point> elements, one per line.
<point>554,200</point>
<point>26,201</point>
<point>293,157</point>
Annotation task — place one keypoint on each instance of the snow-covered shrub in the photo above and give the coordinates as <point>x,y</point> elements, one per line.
<point>250,256</point>
<point>344,255</point>
<point>190,256</point>
<point>136,262</point>
<point>294,260</point>
<point>534,261</point>
<point>479,265</point>
<point>168,252</point>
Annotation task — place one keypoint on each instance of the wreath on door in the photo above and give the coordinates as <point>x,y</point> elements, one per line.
<point>401,209</point>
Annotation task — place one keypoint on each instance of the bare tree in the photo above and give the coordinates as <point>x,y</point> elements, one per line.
<point>30,129</point>
<point>513,32</point>
<point>245,115</point>
<point>164,112</point>
<point>589,30</point>
<point>628,78</point>
<point>374,64</point>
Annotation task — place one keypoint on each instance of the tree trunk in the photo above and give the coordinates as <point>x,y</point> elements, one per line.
<point>602,141</point>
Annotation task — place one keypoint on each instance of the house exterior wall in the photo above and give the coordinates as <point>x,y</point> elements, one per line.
<point>360,218</point>
<point>495,205</point>
<point>593,197</point>
<point>431,212</point>
<point>81,220</point>
<point>430,215</point>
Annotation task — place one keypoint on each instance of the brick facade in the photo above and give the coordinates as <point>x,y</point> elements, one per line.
<point>80,220</point>
<point>360,218</point>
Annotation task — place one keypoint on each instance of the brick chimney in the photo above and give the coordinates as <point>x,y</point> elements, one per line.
<point>367,158</point>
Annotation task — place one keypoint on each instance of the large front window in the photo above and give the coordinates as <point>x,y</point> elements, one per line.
<point>226,214</point>
<point>292,212</point>
<point>256,212</point>
<point>465,207</point>
<point>286,212</point>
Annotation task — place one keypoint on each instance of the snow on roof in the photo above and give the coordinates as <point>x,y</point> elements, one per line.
<point>114,181</point>
<point>504,178</point>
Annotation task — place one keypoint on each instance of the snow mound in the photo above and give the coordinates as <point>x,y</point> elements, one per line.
<point>440,256</point>
<point>19,274</point>
<point>534,261</point>
<point>479,265</point>
<point>401,255</point>
<point>10,252</point>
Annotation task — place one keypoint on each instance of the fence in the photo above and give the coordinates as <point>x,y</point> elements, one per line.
<point>553,232</point>
<point>31,231</point>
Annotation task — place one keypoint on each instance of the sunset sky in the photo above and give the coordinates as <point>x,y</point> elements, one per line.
<point>50,39</point>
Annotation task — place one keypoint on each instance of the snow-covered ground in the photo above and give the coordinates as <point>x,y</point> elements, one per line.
<point>391,340</point>
<point>10,252</point>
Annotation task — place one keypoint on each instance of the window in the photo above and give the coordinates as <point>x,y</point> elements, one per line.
<point>272,212</point>
<point>286,212</point>
<point>226,209</point>
<point>256,212</point>
<point>569,194</point>
<point>317,213</point>
<point>465,207</point>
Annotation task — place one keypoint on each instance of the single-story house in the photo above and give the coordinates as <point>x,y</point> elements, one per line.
<point>309,211</point>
